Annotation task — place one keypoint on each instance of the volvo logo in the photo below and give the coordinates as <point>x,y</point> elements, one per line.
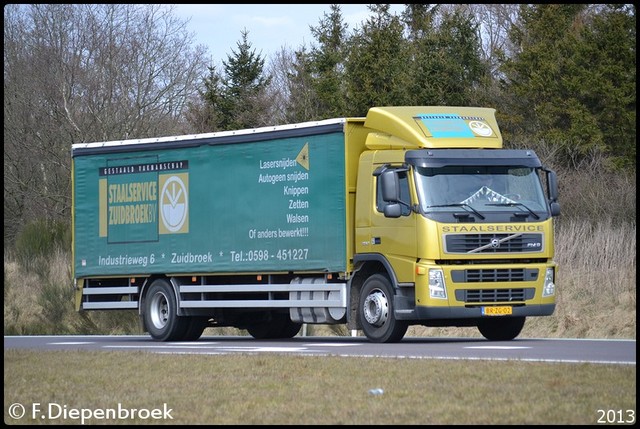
<point>494,243</point>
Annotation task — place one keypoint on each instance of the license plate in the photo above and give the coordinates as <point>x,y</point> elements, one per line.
<point>497,311</point>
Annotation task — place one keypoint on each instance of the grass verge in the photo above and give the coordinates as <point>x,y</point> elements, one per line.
<point>277,389</point>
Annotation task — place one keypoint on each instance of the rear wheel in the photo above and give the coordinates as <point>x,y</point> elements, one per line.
<point>501,328</point>
<point>196,327</point>
<point>376,311</point>
<point>289,328</point>
<point>161,313</point>
<point>279,325</point>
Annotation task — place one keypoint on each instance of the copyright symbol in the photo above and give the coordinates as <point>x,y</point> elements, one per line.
<point>16,411</point>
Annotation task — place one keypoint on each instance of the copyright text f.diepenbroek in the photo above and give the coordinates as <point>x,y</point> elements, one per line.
<point>55,411</point>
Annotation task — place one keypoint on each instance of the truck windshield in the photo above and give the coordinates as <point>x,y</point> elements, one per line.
<point>481,189</point>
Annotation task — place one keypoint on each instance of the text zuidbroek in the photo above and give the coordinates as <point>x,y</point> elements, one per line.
<point>191,258</point>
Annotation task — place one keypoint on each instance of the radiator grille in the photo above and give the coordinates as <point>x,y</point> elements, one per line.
<point>492,275</point>
<point>471,296</point>
<point>493,243</point>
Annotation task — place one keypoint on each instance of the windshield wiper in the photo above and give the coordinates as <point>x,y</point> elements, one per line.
<point>515,205</point>
<point>467,206</point>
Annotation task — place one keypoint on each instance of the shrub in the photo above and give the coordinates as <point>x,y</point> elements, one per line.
<point>38,240</point>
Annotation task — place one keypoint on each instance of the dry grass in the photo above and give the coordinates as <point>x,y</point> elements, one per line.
<point>597,278</point>
<point>273,389</point>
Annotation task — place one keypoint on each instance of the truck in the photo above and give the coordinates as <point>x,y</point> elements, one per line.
<point>411,215</point>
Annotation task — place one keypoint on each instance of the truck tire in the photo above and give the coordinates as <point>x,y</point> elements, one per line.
<point>501,328</point>
<point>290,328</point>
<point>195,328</point>
<point>280,326</point>
<point>161,313</point>
<point>375,311</point>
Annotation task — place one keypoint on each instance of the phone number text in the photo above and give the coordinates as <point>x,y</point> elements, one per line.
<point>266,255</point>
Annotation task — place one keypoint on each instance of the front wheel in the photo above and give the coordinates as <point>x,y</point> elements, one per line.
<point>376,311</point>
<point>501,328</point>
<point>161,313</point>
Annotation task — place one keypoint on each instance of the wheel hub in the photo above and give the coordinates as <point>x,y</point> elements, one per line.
<point>376,308</point>
<point>159,310</point>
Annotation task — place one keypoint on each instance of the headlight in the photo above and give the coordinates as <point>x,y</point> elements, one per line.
<point>549,288</point>
<point>437,288</point>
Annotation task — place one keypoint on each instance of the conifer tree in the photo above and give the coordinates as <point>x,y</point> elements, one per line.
<point>327,63</point>
<point>237,95</point>
<point>573,80</point>
<point>377,63</point>
<point>446,64</point>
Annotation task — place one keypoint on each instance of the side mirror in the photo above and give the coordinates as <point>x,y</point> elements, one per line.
<point>390,186</point>
<point>393,210</point>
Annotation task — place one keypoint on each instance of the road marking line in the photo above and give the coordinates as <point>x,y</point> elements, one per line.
<point>332,345</point>
<point>498,347</point>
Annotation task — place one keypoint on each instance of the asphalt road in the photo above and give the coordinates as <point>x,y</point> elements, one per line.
<point>620,352</point>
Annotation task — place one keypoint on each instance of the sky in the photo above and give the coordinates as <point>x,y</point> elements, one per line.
<point>270,26</point>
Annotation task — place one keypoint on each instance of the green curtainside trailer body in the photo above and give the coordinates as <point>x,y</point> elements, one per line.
<point>217,205</point>
<point>412,215</point>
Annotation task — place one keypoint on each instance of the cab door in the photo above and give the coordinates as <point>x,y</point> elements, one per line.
<point>393,234</point>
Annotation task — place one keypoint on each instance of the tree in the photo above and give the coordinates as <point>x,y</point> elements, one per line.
<point>83,73</point>
<point>301,101</point>
<point>377,63</point>
<point>607,63</point>
<point>236,97</point>
<point>446,66</point>
<point>494,22</point>
<point>203,112</point>
<point>315,76</point>
<point>327,64</point>
<point>573,79</point>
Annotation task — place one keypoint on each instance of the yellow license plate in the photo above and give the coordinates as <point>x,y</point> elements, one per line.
<point>497,311</point>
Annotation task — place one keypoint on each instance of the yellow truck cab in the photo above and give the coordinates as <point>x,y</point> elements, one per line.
<point>459,230</point>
